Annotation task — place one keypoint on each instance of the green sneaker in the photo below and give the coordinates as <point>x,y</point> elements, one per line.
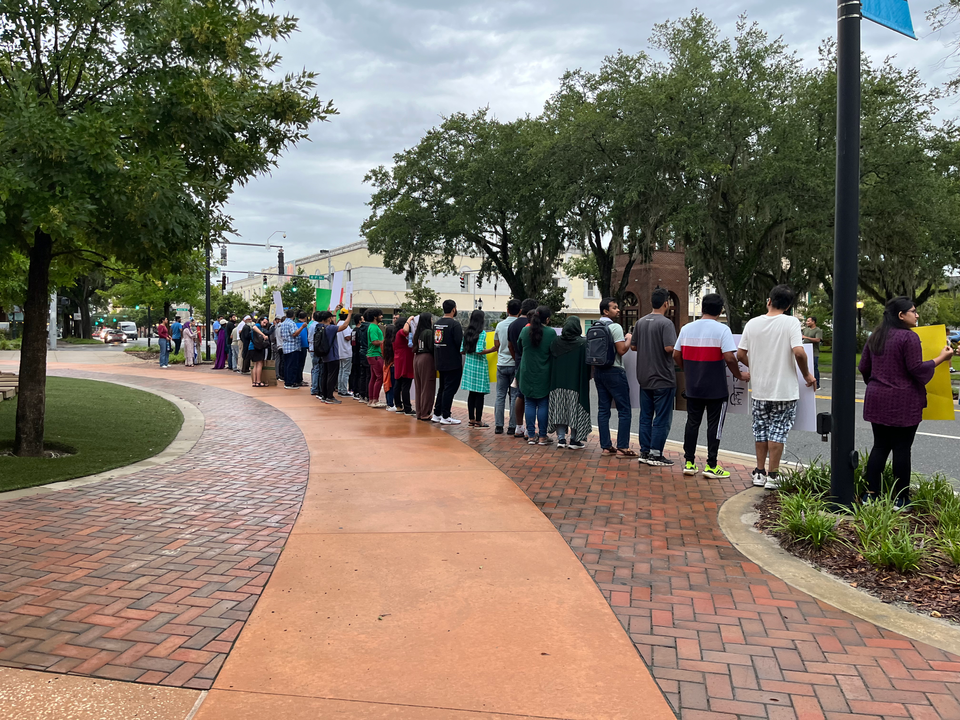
<point>718,473</point>
<point>690,469</point>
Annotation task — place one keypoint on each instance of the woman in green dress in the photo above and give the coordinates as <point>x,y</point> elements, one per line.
<point>535,341</point>
<point>476,370</point>
<point>570,387</point>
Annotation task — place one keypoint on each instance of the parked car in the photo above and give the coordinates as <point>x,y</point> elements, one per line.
<point>114,335</point>
<point>954,337</point>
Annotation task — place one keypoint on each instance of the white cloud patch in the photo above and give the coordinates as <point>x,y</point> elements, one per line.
<point>394,69</point>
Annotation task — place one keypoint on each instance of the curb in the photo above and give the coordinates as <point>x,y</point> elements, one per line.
<point>736,519</point>
<point>190,432</point>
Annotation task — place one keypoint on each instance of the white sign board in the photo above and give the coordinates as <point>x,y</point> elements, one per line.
<point>336,291</point>
<point>76,316</point>
<point>348,295</point>
<point>277,303</point>
<point>741,403</point>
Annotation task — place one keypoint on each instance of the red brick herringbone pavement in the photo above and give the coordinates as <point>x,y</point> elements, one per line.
<point>150,578</point>
<point>723,638</point>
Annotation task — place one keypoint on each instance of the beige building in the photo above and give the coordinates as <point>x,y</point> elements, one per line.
<point>376,286</point>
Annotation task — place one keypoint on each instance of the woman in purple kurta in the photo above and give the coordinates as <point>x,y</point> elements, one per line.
<point>221,346</point>
<point>896,376</point>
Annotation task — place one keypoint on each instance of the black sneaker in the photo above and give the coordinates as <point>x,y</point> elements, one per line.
<point>644,458</point>
<point>659,461</point>
<point>498,431</point>
<point>575,445</point>
<point>334,401</point>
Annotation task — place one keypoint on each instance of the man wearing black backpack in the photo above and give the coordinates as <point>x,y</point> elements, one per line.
<point>606,346</point>
<point>327,351</point>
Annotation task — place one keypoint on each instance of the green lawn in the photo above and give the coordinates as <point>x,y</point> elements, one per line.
<point>80,341</point>
<point>108,425</point>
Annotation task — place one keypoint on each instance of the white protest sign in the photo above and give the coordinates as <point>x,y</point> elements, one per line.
<point>336,291</point>
<point>741,403</point>
<point>277,303</point>
<point>348,295</point>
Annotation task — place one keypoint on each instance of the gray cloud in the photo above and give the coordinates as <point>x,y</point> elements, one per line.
<point>395,68</point>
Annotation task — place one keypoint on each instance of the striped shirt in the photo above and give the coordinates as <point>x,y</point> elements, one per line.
<point>702,345</point>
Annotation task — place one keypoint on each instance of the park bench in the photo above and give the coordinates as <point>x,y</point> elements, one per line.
<point>9,383</point>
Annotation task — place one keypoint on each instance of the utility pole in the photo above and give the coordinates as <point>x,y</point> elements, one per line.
<point>843,457</point>
<point>207,336</point>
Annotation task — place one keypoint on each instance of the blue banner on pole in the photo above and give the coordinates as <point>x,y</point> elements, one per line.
<point>894,14</point>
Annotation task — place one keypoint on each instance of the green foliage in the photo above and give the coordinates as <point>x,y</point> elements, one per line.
<point>948,542</point>
<point>885,536</point>
<point>299,292</point>
<point>421,298</point>
<point>8,344</point>
<point>812,479</point>
<point>804,516</point>
<point>931,494</point>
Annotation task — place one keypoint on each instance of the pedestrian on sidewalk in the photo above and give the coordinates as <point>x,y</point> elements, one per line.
<point>506,371</point>
<point>176,334</point>
<point>316,362</point>
<point>513,335</point>
<point>611,381</point>
<point>188,334</point>
<point>244,336</point>
<point>389,379</point>
<point>276,348</point>
<point>361,344</point>
<point>476,369</point>
<point>813,335</point>
<point>705,349</point>
<point>220,331</point>
<point>403,365</point>
<point>424,368</point>
<point>163,340</point>
<point>228,329</point>
<point>772,347</point>
<point>303,335</point>
<point>255,354</point>
<point>654,338</point>
<point>290,345</point>
<point>345,349</point>
<point>331,360</point>
<point>535,362</point>
<point>447,343</point>
<point>375,357</point>
<point>896,376</point>
<point>569,406</point>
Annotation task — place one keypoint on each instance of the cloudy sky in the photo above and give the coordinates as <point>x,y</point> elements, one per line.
<point>394,68</point>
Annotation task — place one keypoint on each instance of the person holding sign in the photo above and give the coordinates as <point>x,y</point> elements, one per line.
<point>896,376</point>
<point>770,346</point>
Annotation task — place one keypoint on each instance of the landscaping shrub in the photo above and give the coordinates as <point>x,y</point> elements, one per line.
<point>804,517</point>
<point>885,536</point>
<point>930,494</point>
<point>813,479</point>
<point>948,542</point>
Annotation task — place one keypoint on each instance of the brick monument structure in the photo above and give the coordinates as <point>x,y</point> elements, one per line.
<point>668,269</point>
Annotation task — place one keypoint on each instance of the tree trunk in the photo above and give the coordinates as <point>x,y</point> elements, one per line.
<point>31,398</point>
<point>86,330</point>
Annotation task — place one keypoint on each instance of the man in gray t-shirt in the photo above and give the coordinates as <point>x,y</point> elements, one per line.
<point>654,338</point>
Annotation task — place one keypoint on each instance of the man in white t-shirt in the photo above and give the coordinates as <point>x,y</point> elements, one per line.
<point>772,347</point>
<point>506,371</point>
<point>345,347</point>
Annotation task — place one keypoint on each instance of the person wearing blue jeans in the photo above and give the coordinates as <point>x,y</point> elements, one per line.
<point>164,352</point>
<point>536,410</point>
<point>505,389</point>
<point>656,417</point>
<point>612,385</point>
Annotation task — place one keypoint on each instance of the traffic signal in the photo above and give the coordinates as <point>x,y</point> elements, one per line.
<point>136,307</point>
<point>264,282</point>
<point>463,282</point>
<point>293,284</point>
<point>223,283</point>
<point>280,262</point>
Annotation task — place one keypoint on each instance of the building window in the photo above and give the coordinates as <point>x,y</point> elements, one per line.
<point>591,289</point>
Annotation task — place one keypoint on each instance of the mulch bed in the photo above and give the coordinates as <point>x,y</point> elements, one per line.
<point>144,355</point>
<point>934,591</point>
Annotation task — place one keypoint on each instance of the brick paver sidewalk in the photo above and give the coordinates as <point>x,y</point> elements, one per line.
<point>151,577</point>
<point>723,638</point>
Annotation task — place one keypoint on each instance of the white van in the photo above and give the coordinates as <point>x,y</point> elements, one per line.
<point>128,328</point>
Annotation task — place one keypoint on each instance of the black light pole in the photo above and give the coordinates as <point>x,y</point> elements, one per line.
<point>149,326</point>
<point>207,337</point>
<point>843,458</point>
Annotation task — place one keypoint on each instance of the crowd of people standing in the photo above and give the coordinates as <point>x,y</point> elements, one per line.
<point>416,364</point>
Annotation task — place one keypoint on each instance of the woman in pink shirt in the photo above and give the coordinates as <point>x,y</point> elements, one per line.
<point>403,366</point>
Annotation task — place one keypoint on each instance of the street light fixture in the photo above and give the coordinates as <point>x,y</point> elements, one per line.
<point>275,232</point>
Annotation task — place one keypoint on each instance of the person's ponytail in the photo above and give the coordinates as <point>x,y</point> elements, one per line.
<point>537,318</point>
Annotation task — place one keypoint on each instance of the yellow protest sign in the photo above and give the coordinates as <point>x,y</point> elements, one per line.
<point>939,392</point>
<point>492,358</point>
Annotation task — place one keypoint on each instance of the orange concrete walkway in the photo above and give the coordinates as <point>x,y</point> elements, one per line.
<point>418,582</point>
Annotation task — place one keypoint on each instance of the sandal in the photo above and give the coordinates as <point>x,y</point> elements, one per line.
<point>480,425</point>
<point>608,451</point>
<point>628,453</point>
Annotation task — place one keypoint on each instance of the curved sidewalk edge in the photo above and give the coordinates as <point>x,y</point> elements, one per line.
<point>420,582</point>
<point>737,517</point>
<point>184,442</point>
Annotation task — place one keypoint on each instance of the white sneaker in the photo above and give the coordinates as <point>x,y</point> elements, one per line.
<point>773,482</point>
<point>436,419</point>
<point>759,477</point>
<point>449,421</point>
<point>391,409</point>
